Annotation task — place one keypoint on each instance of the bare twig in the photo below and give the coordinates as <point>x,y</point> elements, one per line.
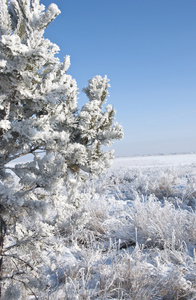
<point>18,258</point>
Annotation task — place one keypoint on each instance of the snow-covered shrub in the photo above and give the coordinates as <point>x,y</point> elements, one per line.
<point>162,225</point>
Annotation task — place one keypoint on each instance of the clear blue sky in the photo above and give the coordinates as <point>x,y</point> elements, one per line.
<point>148,51</point>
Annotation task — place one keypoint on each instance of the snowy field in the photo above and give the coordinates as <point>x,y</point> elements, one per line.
<point>133,237</point>
<point>155,161</point>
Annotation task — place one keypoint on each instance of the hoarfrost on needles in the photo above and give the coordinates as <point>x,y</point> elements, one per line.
<point>47,146</point>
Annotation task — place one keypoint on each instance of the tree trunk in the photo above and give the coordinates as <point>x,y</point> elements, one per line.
<point>2,235</point>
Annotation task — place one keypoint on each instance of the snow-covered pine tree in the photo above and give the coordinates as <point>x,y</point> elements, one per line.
<point>39,114</point>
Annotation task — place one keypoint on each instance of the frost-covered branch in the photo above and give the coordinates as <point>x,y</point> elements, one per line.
<point>39,115</point>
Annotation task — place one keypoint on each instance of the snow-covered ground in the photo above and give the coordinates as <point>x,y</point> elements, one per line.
<point>154,161</point>
<point>133,237</point>
<point>136,233</point>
